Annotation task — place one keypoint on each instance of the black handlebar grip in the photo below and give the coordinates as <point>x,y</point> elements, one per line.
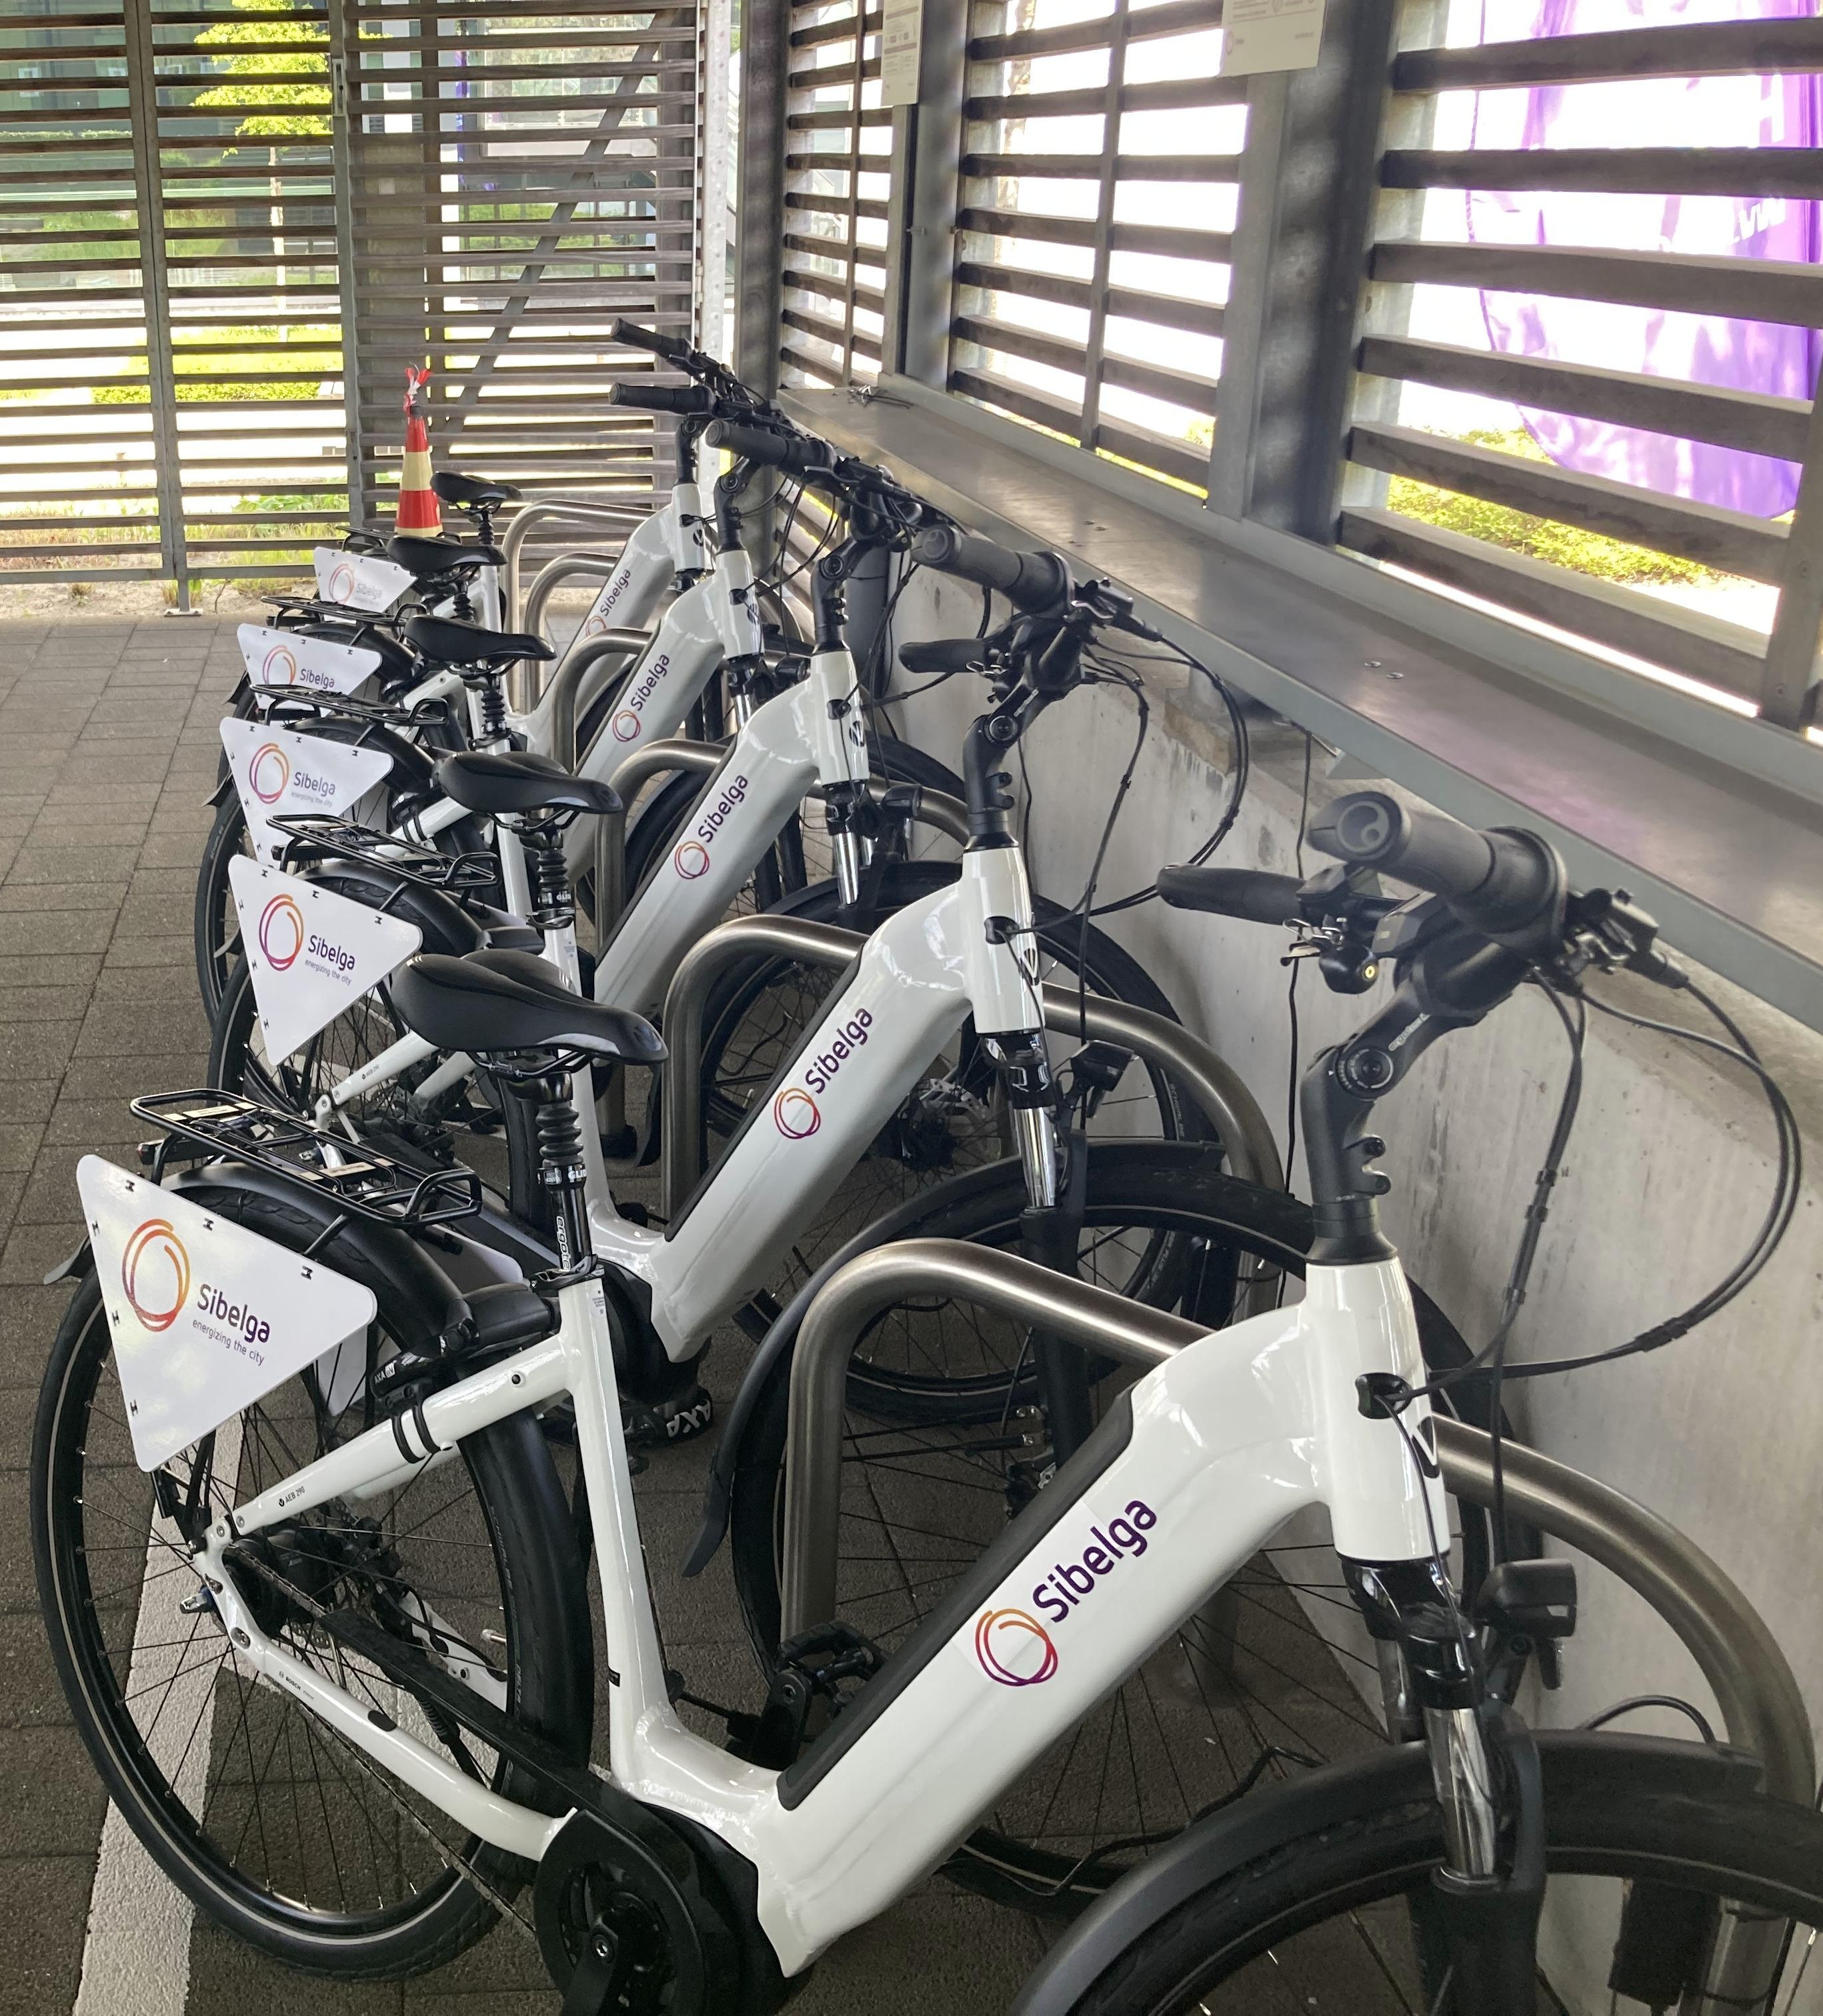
<point>1251,894</point>
<point>636,336</point>
<point>796,454</point>
<point>1499,882</point>
<point>662,398</point>
<point>943,654</point>
<point>1030,581</point>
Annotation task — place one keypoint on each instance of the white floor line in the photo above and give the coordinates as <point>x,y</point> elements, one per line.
<point>136,1956</point>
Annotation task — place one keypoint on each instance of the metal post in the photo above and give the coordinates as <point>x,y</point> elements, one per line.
<point>1791,651</point>
<point>542,510</point>
<point>918,335</point>
<point>344,117</point>
<point>1233,1116</point>
<point>161,375</point>
<point>766,46</point>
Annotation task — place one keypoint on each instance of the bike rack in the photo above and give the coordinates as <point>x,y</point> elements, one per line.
<point>1762,1707</point>
<point>1234,1116</point>
<point>543,510</point>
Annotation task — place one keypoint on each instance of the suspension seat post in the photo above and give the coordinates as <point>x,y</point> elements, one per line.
<point>562,1172</point>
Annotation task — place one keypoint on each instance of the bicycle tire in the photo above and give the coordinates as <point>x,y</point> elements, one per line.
<point>1640,1824</point>
<point>546,1653</point>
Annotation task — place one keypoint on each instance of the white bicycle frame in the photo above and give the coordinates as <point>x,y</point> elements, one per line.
<point>1230,1437</point>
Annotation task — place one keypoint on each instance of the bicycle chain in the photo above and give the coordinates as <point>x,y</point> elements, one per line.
<point>447,1856</point>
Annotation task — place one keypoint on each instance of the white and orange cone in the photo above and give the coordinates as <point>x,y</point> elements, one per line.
<point>417,501</point>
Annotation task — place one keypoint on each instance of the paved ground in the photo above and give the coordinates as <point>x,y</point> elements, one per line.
<point>108,749</point>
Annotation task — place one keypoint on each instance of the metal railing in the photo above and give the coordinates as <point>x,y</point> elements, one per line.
<point>1233,1116</point>
<point>550,510</point>
<point>1761,1705</point>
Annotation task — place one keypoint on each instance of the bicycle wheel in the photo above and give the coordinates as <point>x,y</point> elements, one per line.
<point>1325,1920</point>
<point>267,1820</point>
<point>954,1119</point>
<point>1272,1669</point>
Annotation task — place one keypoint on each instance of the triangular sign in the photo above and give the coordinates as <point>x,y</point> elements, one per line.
<point>359,581</point>
<point>277,772</point>
<point>207,1316</point>
<point>312,954</point>
<point>285,658</point>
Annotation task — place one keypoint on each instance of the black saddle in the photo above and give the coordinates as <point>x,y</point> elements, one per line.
<point>512,1001</point>
<point>501,931</point>
<point>445,642</point>
<point>491,781</point>
<point>426,557</point>
<point>451,487</point>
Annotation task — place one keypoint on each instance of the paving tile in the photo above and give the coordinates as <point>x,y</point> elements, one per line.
<point>37,1049</point>
<point>32,1251</point>
<point>127,1029</point>
<point>37,863</point>
<point>49,969</point>
<point>41,1004</point>
<point>69,1824</point>
<point>50,1894</point>
<point>27,1101</point>
<point>50,1193</point>
<point>168,950</point>
<point>18,1145</point>
<point>48,898</point>
<point>125,1077</point>
<point>46,930</point>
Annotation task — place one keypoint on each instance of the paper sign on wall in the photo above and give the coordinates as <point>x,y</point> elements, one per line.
<point>207,1316</point>
<point>283,658</point>
<point>359,580</point>
<point>311,953</point>
<point>276,772</point>
<point>902,25</point>
<point>1259,35</point>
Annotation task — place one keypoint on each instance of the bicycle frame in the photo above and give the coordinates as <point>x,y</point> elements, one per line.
<point>1210,1454</point>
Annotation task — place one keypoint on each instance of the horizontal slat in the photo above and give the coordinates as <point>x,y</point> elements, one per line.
<point>1155,452</point>
<point>1177,388</point>
<point>1087,167</point>
<point>1692,49</point>
<point>841,31</point>
<point>836,249</point>
<point>832,332</point>
<point>1757,290</point>
<point>820,368</point>
<point>836,117</point>
<point>1013,341</point>
<point>1011,398</point>
<point>1791,172</point>
<point>833,206</point>
<point>1729,540</point>
<point>1035,287</point>
<point>839,161</point>
<point>1165,310</point>
<point>1751,420</point>
<point>1143,24</point>
<point>1721,654</point>
<point>828,288</point>
<point>1187,94</point>
<point>1160,240</point>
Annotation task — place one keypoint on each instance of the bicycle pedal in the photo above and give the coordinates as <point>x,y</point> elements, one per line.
<point>659,1423</point>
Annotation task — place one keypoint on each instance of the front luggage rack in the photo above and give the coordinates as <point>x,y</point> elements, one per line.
<point>359,1180</point>
<point>325,835</point>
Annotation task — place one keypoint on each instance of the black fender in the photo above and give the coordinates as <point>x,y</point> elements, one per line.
<point>780,1341</point>
<point>1214,1849</point>
<point>377,1256</point>
<point>447,926</point>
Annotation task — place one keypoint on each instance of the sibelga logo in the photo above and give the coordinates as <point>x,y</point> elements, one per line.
<point>341,581</point>
<point>268,773</point>
<point>795,1113</point>
<point>604,603</point>
<point>156,1266</point>
<point>691,860</point>
<point>820,1071</point>
<point>1013,1648</point>
<point>717,816</point>
<point>281,932</point>
<point>279,667</point>
<point>626,725</point>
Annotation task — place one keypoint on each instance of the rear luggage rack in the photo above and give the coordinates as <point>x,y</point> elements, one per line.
<point>360,1181</point>
<point>326,835</point>
<point>311,702</point>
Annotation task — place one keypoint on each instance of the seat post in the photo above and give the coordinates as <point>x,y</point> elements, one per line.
<point>562,1172</point>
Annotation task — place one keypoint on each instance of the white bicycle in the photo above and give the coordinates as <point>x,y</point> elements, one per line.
<point>331,1655</point>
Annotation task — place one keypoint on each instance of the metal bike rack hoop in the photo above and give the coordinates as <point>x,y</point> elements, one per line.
<point>1762,1707</point>
<point>1233,1114</point>
<point>546,510</point>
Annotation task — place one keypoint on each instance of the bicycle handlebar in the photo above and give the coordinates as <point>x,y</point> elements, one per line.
<point>943,655</point>
<point>797,454</point>
<point>1500,882</point>
<point>1030,581</point>
<point>662,398</point>
<point>1251,894</point>
<point>673,349</point>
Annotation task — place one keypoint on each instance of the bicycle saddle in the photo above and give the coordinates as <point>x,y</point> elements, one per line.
<point>446,642</point>
<point>501,931</point>
<point>512,1001</point>
<point>451,487</point>
<point>425,557</point>
<point>499,780</point>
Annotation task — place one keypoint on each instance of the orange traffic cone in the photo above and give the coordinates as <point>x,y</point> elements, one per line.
<point>417,501</point>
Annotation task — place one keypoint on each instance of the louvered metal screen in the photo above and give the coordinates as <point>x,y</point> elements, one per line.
<point>838,149</point>
<point>1100,163</point>
<point>1448,479</point>
<point>519,177</point>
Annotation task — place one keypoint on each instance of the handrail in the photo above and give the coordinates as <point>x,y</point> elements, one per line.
<point>1229,1107</point>
<point>551,576</point>
<point>542,510</point>
<point>1761,1704</point>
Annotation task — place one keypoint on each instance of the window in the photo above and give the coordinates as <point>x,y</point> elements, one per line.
<point>1099,165</point>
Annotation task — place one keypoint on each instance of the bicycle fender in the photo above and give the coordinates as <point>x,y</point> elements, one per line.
<point>1216,1847</point>
<point>375,1255</point>
<point>67,1270</point>
<point>447,926</point>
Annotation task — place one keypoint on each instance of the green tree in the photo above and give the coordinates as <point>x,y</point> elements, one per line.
<point>276,110</point>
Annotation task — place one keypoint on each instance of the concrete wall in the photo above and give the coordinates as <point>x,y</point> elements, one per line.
<point>1668,1174</point>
